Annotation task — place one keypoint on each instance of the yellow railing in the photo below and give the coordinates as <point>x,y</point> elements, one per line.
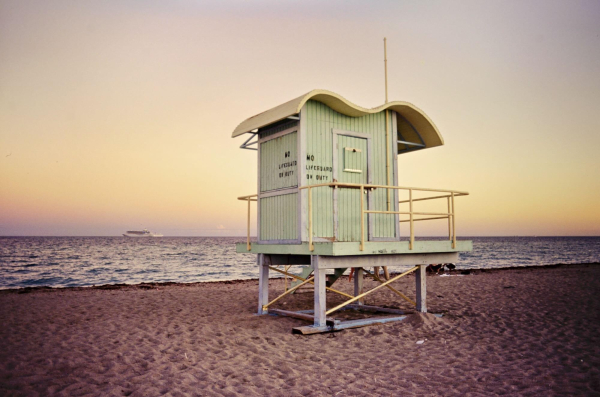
<point>449,195</point>
<point>450,215</point>
<point>249,198</point>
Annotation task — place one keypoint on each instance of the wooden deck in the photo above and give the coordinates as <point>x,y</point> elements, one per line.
<point>353,248</point>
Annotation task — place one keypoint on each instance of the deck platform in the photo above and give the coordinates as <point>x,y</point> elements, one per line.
<point>338,248</point>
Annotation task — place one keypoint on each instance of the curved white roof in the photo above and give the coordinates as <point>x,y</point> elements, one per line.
<point>415,116</point>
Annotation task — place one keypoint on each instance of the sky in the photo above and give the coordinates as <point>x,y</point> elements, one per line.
<point>117,115</point>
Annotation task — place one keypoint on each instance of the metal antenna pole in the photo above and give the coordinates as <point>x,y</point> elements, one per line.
<point>385,67</point>
<point>387,128</point>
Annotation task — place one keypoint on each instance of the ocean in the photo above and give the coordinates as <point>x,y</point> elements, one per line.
<point>87,261</point>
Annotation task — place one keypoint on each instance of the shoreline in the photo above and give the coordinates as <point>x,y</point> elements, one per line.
<point>149,285</point>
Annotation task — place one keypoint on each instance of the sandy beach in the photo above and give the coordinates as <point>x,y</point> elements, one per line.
<point>532,331</point>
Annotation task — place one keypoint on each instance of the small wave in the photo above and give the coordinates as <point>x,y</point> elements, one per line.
<point>49,281</point>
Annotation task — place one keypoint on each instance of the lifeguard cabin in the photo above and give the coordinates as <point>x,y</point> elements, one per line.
<point>328,199</point>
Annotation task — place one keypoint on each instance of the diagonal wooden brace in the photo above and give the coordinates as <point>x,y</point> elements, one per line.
<point>289,291</point>
<point>354,299</point>
<point>400,294</point>
<point>311,282</point>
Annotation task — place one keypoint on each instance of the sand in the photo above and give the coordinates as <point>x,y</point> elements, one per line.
<point>504,332</point>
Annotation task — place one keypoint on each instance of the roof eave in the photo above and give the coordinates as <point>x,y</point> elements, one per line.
<point>414,115</point>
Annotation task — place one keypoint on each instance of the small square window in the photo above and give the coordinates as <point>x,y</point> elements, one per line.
<point>352,160</point>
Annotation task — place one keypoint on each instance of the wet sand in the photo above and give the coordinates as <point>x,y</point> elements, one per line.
<point>533,331</point>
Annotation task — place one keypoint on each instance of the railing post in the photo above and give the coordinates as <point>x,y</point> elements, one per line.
<point>453,223</point>
<point>412,231</point>
<point>362,217</point>
<point>311,247</point>
<point>248,246</point>
<point>449,224</point>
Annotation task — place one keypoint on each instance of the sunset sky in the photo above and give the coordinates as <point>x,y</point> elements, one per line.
<point>117,115</point>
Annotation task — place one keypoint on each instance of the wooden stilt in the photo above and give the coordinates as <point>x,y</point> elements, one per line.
<point>358,283</point>
<point>421,287</point>
<point>320,265</point>
<point>320,297</point>
<point>386,273</point>
<point>263,283</point>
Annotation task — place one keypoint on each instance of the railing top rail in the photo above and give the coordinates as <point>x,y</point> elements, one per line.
<point>368,186</point>
<point>247,197</point>
<point>430,198</point>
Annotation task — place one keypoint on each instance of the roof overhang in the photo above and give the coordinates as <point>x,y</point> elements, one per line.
<point>416,117</point>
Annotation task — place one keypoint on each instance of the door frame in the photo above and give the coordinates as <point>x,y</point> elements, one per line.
<point>335,133</point>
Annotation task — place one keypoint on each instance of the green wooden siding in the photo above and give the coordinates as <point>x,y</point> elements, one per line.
<point>278,163</point>
<point>320,121</point>
<point>279,217</point>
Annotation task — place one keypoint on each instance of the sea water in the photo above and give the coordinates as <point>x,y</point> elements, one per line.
<point>86,261</point>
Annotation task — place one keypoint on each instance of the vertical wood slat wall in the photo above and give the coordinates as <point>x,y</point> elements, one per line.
<point>278,217</point>
<point>271,160</point>
<point>278,213</point>
<point>320,121</point>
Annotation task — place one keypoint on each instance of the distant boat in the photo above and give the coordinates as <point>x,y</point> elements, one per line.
<point>141,233</point>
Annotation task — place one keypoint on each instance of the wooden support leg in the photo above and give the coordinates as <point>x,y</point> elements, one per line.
<point>386,273</point>
<point>421,289</point>
<point>263,283</point>
<point>358,283</point>
<point>320,298</point>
